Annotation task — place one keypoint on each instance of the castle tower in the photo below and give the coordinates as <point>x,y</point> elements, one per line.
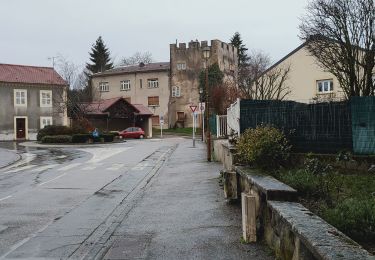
<point>186,63</point>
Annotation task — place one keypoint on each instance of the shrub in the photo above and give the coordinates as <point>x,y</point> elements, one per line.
<point>48,139</point>
<point>353,216</point>
<point>53,130</point>
<point>265,147</point>
<point>315,166</point>
<point>80,138</point>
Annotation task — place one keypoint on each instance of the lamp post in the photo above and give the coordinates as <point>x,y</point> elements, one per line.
<point>206,56</point>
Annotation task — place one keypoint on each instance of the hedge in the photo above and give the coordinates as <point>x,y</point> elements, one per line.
<point>50,139</point>
<point>84,138</point>
<point>52,130</point>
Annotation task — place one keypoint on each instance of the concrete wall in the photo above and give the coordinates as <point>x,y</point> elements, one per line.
<point>138,94</point>
<point>188,80</point>
<point>33,111</point>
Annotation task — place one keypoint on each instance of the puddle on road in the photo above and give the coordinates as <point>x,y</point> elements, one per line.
<point>44,156</point>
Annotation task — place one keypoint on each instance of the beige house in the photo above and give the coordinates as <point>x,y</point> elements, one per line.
<point>307,81</point>
<point>146,84</point>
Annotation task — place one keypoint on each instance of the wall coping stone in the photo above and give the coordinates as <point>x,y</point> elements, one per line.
<point>272,188</point>
<point>322,239</point>
<point>229,146</point>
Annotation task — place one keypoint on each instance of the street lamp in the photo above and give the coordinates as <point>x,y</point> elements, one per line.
<point>206,56</point>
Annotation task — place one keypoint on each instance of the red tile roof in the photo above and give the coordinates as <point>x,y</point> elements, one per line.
<point>101,106</point>
<point>156,66</point>
<point>142,109</point>
<point>30,75</point>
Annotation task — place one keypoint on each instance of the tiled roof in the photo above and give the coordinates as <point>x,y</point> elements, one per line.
<point>101,106</point>
<point>142,109</point>
<point>157,66</point>
<point>30,75</point>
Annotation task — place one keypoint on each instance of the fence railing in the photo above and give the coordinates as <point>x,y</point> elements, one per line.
<point>221,126</point>
<point>233,118</point>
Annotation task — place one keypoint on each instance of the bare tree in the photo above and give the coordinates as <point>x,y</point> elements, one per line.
<point>137,58</point>
<point>272,84</point>
<point>258,82</point>
<point>76,99</point>
<point>341,35</point>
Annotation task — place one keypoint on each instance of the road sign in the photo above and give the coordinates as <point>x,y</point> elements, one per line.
<point>193,108</point>
<point>202,107</point>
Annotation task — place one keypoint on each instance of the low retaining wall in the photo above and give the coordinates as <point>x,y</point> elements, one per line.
<point>290,229</point>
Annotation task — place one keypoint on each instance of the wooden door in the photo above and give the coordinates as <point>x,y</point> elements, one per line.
<point>21,128</point>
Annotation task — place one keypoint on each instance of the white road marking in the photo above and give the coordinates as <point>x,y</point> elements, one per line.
<point>26,159</point>
<point>116,167</point>
<point>21,168</point>
<point>7,197</point>
<point>45,167</point>
<point>91,167</point>
<point>69,166</point>
<point>58,177</point>
<point>61,156</point>
<point>100,154</point>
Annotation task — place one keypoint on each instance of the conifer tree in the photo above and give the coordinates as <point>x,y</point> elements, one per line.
<point>236,41</point>
<point>100,57</point>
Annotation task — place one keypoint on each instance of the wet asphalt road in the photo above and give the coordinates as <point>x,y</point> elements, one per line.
<point>142,199</point>
<point>54,200</point>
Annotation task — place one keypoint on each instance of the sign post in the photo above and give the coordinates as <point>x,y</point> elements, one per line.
<point>161,121</point>
<point>193,108</point>
<point>202,108</point>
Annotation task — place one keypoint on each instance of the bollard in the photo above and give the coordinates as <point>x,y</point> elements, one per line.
<point>248,204</point>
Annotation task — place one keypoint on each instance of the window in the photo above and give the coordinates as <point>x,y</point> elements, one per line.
<point>325,86</point>
<point>181,66</point>
<point>20,97</point>
<point>125,85</point>
<point>155,120</point>
<point>180,116</point>
<point>153,101</point>
<point>46,98</point>
<point>176,91</point>
<point>140,83</point>
<point>103,87</point>
<point>153,83</point>
<point>44,121</point>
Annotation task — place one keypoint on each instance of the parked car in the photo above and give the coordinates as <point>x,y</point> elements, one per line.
<point>132,132</point>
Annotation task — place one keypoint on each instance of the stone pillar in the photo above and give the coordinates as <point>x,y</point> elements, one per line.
<point>248,203</point>
<point>230,185</point>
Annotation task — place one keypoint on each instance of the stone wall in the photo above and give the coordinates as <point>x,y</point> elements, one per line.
<point>290,229</point>
<point>187,77</point>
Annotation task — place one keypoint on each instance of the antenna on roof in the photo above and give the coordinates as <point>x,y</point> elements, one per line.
<point>53,60</point>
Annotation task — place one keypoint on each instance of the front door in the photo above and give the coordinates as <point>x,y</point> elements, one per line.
<point>21,128</point>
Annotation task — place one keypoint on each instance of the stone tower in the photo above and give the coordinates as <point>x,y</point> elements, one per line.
<point>186,63</point>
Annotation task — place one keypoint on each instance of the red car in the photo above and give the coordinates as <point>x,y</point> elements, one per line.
<point>132,132</point>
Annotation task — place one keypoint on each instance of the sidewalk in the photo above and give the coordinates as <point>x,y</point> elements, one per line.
<point>8,157</point>
<point>182,215</point>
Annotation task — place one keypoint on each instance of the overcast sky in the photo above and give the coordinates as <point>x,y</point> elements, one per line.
<point>33,30</point>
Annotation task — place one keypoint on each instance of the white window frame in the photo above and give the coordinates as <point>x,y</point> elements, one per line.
<point>176,91</point>
<point>125,85</point>
<point>24,91</point>
<point>45,118</point>
<point>181,66</point>
<point>103,87</point>
<point>46,101</point>
<point>153,83</point>
<point>323,82</point>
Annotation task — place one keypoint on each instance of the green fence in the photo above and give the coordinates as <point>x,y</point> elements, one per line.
<point>363,124</point>
<point>213,124</point>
